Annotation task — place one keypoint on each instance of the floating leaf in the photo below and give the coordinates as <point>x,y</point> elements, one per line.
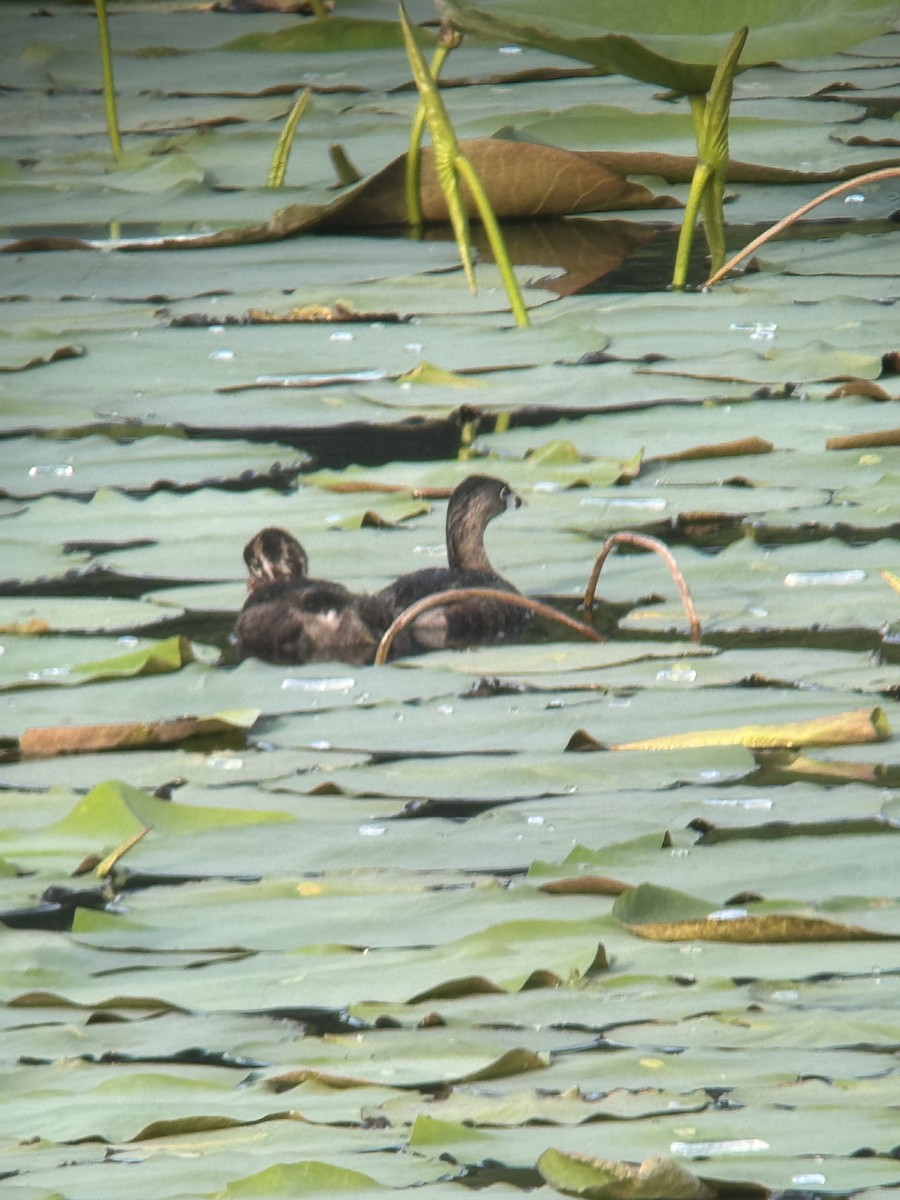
<point>863,441</point>
<point>648,903</point>
<point>842,729</point>
<point>735,449</point>
<point>586,885</point>
<point>117,812</point>
<point>521,179</point>
<point>770,929</point>
<point>308,1178</point>
<point>689,919</point>
<point>425,372</point>
<point>859,387</point>
<point>610,1179</point>
<point>222,730</point>
<point>42,360</point>
<point>470,985</point>
<point>514,1062</point>
<point>107,865</point>
<point>783,766</point>
<point>634,43</point>
<point>168,655</point>
<point>334,35</point>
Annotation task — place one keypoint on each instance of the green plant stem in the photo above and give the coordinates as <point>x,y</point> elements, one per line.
<point>495,238</point>
<point>713,209</point>
<point>109,87</point>
<point>710,117</point>
<point>457,595</point>
<point>688,223</point>
<point>346,172</point>
<point>282,153</point>
<point>449,164</point>
<point>414,214</point>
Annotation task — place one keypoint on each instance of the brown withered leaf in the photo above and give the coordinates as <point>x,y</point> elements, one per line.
<point>312,314</point>
<point>679,168</point>
<point>586,885</point>
<point>287,1080</point>
<point>521,180</point>
<point>862,441</point>
<point>453,989</point>
<point>42,360</point>
<point>576,1174</point>
<point>352,487</point>
<point>541,979</point>
<point>861,140</point>
<point>326,789</point>
<point>765,928</point>
<point>373,520</point>
<point>43,243</point>
<point>859,387</point>
<point>735,449</point>
<point>582,742</point>
<point>303,7</point>
<point>318,314</point>
<point>48,741</point>
<point>31,626</point>
<point>784,766</point>
<point>87,864</point>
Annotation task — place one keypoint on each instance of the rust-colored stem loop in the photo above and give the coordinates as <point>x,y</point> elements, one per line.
<point>454,595</point>
<point>774,230</point>
<point>627,538</point>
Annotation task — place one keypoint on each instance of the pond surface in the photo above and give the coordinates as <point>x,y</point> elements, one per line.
<point>270,931</point>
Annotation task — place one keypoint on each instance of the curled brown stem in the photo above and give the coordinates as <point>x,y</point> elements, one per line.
<point>627,538</point>
<point>774,230</point>
<point>454,595</point>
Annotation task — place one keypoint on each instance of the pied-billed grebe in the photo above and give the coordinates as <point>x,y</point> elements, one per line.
<point>474,502</point>
<point>289,618</point>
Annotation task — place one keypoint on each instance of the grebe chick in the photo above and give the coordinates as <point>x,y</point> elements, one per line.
<point>289,618</point>
<point>474,503</point>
